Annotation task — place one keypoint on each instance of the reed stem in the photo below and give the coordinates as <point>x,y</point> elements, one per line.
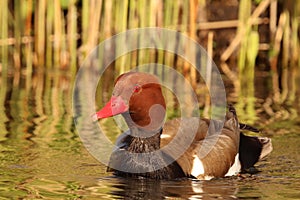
<point>49,32</point>
<point>246,61</point>
<point>18,27</point>
<point>85,21</point>
<point>4,34</point>
<point>40,31</point>
<point>57,32</point>
<point>72,36</point>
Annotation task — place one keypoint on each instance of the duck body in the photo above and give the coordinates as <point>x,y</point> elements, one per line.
<point>182,147</point>
<point>138,165</point>
<point>176,162</point>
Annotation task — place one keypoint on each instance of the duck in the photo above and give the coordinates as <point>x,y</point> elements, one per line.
<point>189,147</point>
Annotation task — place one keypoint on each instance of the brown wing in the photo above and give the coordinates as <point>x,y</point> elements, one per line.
<point>190,138</point>
<point>180,139</point>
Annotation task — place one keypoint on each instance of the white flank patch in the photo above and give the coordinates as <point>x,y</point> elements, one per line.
<point>197,167</point>
<point>235,168</point>
<point>207,178</point>
<point>164,136</point>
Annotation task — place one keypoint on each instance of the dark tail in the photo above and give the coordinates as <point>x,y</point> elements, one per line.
<point>253,149</point>
<point>248,128</point>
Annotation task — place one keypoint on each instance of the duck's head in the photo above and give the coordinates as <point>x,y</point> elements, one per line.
<point>138,97</point>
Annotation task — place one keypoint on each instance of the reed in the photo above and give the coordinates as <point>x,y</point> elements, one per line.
<point>253,48</point>
<point>85,21</point>
<point>170,57</point>
<point>142,9</point>
<point>285,58</point>
<point>3,65</point>
<point>121,25</point>
<point>181,27</point>
<point>64,59</point>
<point>274,53</point>
<point>133,23</point>
<point>208,74</point>
<point>57,33</point>
<point>156,18</point>
<point>49,33</point>
<point>39,28</point>
<point>50,24</point>
<point>4,34</point>
<point>18,27</point>
<point>72,36</point>
<point>246,61</point>
<point>28,49</point>
<point>193,5</point>
<point>94,23</point>
<point>152,23</point>
<point>295,48</point>
<point>184,29</point>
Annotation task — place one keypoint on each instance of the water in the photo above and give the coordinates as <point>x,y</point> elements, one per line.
<point>42,157</point>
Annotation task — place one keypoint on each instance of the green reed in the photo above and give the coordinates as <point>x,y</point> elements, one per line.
<point>56,24</point>
<point>4,34</point>
<point>171,18</point>
<point>85,21</point>
<point>4,61</point>
<point>121,25</point>
<point>246,61</point>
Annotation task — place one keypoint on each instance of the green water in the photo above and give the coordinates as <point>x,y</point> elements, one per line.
<point>42,156</point>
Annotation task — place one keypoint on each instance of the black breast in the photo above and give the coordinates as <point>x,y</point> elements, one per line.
<point>141,157</point>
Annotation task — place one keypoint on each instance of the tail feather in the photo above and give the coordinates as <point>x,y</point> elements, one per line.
<point>248,128</point>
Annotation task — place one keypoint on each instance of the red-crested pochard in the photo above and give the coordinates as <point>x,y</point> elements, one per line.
<point>138,97</point>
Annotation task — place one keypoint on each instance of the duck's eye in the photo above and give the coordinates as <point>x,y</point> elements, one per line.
<point>136,88</point>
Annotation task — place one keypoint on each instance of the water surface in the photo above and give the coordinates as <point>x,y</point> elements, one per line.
<point>42,156</point>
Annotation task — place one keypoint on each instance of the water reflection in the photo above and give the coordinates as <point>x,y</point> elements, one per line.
<point>41,155</point>
<point>183,189</point>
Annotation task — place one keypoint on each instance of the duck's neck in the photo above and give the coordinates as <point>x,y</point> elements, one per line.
<point>136,163</point>
<point>143,141</point>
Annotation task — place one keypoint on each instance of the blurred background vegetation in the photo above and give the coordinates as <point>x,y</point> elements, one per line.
<point>43,43</point>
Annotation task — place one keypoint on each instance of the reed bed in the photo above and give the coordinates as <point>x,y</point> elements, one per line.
<point>38,36</point>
